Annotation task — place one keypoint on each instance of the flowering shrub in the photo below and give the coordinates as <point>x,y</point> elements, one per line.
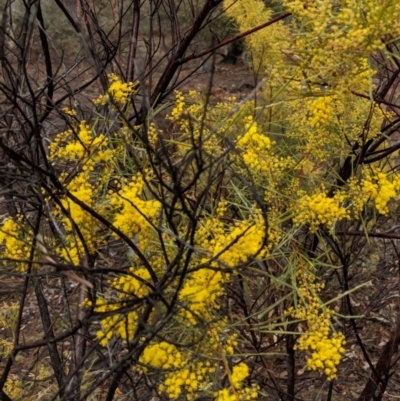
<point>180,233</point>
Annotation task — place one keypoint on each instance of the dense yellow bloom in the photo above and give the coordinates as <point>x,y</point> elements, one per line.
<point>336,40</point>
<point>177,111</point>
<point>319,209</point>
<point>134,214</point>
<point>235,244</point>
<point>181,376</point>
<point>118,92</point>
<point>381,190</point>
<point>255,144</point>
<point>202,291</point>
<point>16,246</point>
<point>162,355</point>
<point>229,247</point>
<point>326,349</point>
<point>239,374</point>
<point>131,285</point>
<point>326,353</point>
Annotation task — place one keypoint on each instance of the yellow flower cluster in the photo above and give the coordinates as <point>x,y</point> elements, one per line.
<point>190,380</point>
<point>162,355</point>
<point>332,124</point>
<point>16,242</point>
<point>69,112</point>
<point>319,209</point>
<point>118,92</point>
<point>228,247</point>
<point>238,392</point>
<point>336,40</point>
<point>178,110</point>
<point>153,134</point>
<point>185,372</point>
<point>121,324</point>
<point>268,169</point>
<point>129,286</point>
<point>81,188</point>
<point>8,318</point>
<point>233,245</point>
<point>246,394</point>
<point>134,214</point>
<point>239,373</point>
<point>13,388</point>
<point>245,239</point>
<point>71,146</point>
<point>381,190</point>
<point>201,293</point>
<point>182,375</point>
<point>326,349</point>
<point>326,352</point>
<point>255,145</point>
<point>124,207</point>
<point>133,284</point>
<point>89,151</point>
<point>265,45</point>
<point>322,109</point>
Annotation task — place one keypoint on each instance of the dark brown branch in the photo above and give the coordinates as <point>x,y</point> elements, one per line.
<point>49,335</point>
<point>175,61</point>
<point>234,38</point>
<point>368,234</point>
<point>91,54</point>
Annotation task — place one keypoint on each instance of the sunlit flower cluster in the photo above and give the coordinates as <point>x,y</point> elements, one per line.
<point>268,169</point>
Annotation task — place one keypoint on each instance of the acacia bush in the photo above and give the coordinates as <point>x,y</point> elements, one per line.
<point>202,248</point>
